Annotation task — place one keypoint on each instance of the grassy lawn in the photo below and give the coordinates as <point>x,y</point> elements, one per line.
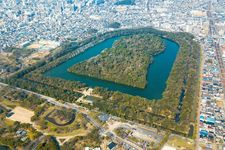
<point>78,132</point>
<point>79,127</point>
<point>134,139</point>
<point>13,104</point>
<point>181,142</point>
<point>8,122</point>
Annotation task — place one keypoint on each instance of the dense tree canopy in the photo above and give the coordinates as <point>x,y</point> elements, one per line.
<point>161,113</point>
<point>125,63</point>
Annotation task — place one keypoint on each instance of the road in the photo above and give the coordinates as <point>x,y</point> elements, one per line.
<point>215,44</point>
<point>47,98</point>
<point>212,34</point>
<point>199,103</point>
<point>127,142</point>
<point>60,104</point>
<point>78,109</point>
<point>33,144</point>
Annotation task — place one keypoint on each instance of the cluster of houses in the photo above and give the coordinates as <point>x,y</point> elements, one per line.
<point>22,134</point>
<point>212,113</point>
<point>112,145</point>
<point>8,111</point>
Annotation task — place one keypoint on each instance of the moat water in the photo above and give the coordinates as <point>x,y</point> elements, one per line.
<point>158,71</point>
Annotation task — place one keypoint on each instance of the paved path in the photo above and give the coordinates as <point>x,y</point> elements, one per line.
<point>77,108</point>
<point>33,144</point>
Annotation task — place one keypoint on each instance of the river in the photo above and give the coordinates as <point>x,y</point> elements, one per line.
<point>158,71</point>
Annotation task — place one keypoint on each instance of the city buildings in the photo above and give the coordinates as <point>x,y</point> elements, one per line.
<point>23,21</point>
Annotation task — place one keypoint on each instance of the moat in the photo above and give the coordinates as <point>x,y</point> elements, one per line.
<point>158,71</point>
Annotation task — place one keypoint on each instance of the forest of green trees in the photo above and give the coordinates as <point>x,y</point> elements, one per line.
<point>125,63</point>
<point>159,113</point>
<point>26,100</point>
<point>9,138</point>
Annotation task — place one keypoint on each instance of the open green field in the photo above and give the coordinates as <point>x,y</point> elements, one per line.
<point>80,126</point>
<point>181,142</point>
<point>92,139</point>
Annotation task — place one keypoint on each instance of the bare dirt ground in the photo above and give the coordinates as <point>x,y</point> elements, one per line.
<point>167,147</point>
<point>65,139</point>
<point>43,45</point>
<point>22,115</point>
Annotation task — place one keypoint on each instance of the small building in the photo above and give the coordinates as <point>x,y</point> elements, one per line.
<point>24,138</point>
<point>202,118</point>
<point>98,2</point>
<point>112,146</point>
<point>24,133</point>
<point>104,117</point>
<point>18,132</point>
<point>21,132</point>
<point>9,114</point>
<point>204,133</point>
<point>210,120</point>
